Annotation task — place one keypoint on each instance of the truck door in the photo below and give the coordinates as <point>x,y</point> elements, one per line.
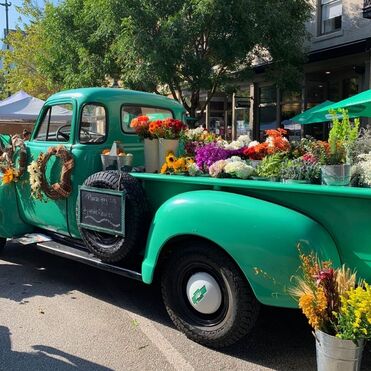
<point>53,128</point>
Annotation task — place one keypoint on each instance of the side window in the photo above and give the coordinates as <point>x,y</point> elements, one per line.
<point>93,124</point>
<point>128,113</point>
<point>56,125</point>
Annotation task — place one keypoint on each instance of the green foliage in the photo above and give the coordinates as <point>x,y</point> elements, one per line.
<point>270,166</point>
<point>298,169</point>
<point>180,47</point>
<point>342,137</point>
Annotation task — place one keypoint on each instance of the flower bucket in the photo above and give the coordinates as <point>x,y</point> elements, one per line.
<point>123,163</point>
<point>335,354</point>
<point>164,147</point>
<point>151,155</point>
<point>336,175</point>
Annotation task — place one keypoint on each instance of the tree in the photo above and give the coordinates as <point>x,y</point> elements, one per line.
<point>21,62</point>
<point>79,44</point>
<point>180,47</point>
<point>191,46</point>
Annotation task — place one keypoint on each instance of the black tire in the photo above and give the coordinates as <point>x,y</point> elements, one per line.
<point>2,244</point>
<point>239,308</point>
<point>114,248</point>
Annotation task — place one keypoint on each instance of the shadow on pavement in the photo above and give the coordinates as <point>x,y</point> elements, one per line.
<point>281,340</point>
<point>43,358</point>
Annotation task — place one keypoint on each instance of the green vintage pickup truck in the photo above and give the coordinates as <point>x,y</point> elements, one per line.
<point>202,237</point>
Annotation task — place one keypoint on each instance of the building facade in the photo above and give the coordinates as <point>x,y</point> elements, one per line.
<point>338,66</point>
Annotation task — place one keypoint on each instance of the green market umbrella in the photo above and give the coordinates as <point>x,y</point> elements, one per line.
<point>311,116</point>
<point>357,106</point>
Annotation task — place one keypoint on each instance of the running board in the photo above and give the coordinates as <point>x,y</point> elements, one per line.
<point>85,257</point>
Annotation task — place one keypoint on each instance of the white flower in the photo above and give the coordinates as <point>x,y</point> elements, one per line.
<point>244,139</point>
<point>235,158</point>
<point>217,168</point>
<point>239,169</point>
<point>253,144</point>
<point>193,134</point>
<point>193,169</point>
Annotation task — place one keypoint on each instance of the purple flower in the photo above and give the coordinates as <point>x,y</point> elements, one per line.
<point>210,153</point>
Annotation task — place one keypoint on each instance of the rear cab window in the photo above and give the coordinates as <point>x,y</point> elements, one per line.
<point>130,112</point>
<point>93,124</point>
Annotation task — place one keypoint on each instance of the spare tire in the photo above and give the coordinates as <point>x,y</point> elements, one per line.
<point>114,248</point>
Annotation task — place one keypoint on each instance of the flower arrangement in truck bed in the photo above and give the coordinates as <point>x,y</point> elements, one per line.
<point>176,165</point>
<point>168,128</point>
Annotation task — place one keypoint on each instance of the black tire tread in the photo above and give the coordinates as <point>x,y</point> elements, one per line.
<point>248,305</point>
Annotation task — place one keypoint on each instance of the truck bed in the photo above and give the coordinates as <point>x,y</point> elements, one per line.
<point>345,212</point>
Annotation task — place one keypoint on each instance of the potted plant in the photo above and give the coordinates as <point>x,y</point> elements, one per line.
<point>337,307</point>
<point>342,136</point>
<point>141,125</point>
<point>301,170</point>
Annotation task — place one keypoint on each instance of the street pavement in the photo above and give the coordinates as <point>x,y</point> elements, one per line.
<point>56,314</point>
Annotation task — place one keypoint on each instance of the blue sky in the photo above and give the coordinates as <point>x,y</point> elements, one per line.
<point>13,14</point>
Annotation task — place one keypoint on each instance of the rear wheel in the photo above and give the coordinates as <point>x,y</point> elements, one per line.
<point>207,297</point>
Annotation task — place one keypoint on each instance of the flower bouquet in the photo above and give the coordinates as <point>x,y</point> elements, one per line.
<point>168,131</point>
<point>176,165</point>
<point>337,307</point>
<point>233,167</point>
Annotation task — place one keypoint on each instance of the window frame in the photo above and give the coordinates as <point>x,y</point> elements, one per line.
<point>140,105</point>
<point>320,18</point>
<point>46,108</point>
<point>80,122</point>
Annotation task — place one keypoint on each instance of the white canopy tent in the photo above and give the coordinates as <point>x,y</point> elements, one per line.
<point>21,106</point>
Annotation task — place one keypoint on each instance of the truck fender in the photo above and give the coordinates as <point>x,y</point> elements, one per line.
<point>260,236</point>
<point>11,223</point>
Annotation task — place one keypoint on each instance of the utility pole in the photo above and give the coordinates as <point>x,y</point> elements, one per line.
<point>7,5</point>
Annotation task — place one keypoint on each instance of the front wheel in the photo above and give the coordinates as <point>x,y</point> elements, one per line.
<point>207,297</point>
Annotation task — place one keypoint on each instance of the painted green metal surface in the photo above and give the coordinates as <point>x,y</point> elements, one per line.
<point>60,215</point>
<point>259,223</point>
<point>11,223</point>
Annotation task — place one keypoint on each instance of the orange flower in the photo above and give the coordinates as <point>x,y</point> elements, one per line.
<point>8,176</point>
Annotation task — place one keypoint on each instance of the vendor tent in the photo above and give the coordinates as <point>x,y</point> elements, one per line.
<point>311,115</point>
<point>21,106</point>
<point>358,105</point>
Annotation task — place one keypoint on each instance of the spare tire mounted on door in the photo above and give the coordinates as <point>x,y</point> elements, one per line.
<point>113,248</point>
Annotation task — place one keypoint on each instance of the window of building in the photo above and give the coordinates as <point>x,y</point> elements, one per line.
<point>330,15</point>
<point>128,113</point>
<point>93,124</point>
<point>56,124</point>
<point>267,109</point>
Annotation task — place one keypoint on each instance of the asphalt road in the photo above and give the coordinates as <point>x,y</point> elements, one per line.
<point>56,314</point>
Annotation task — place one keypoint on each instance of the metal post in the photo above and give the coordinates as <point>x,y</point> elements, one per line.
<point>6,5</point>
<point>234,126</point>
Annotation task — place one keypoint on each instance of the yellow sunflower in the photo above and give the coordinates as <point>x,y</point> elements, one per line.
<point>170,158</point>
<point>164,168</point>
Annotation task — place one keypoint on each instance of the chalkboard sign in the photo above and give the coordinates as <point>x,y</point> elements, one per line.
<point>102,210</point>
